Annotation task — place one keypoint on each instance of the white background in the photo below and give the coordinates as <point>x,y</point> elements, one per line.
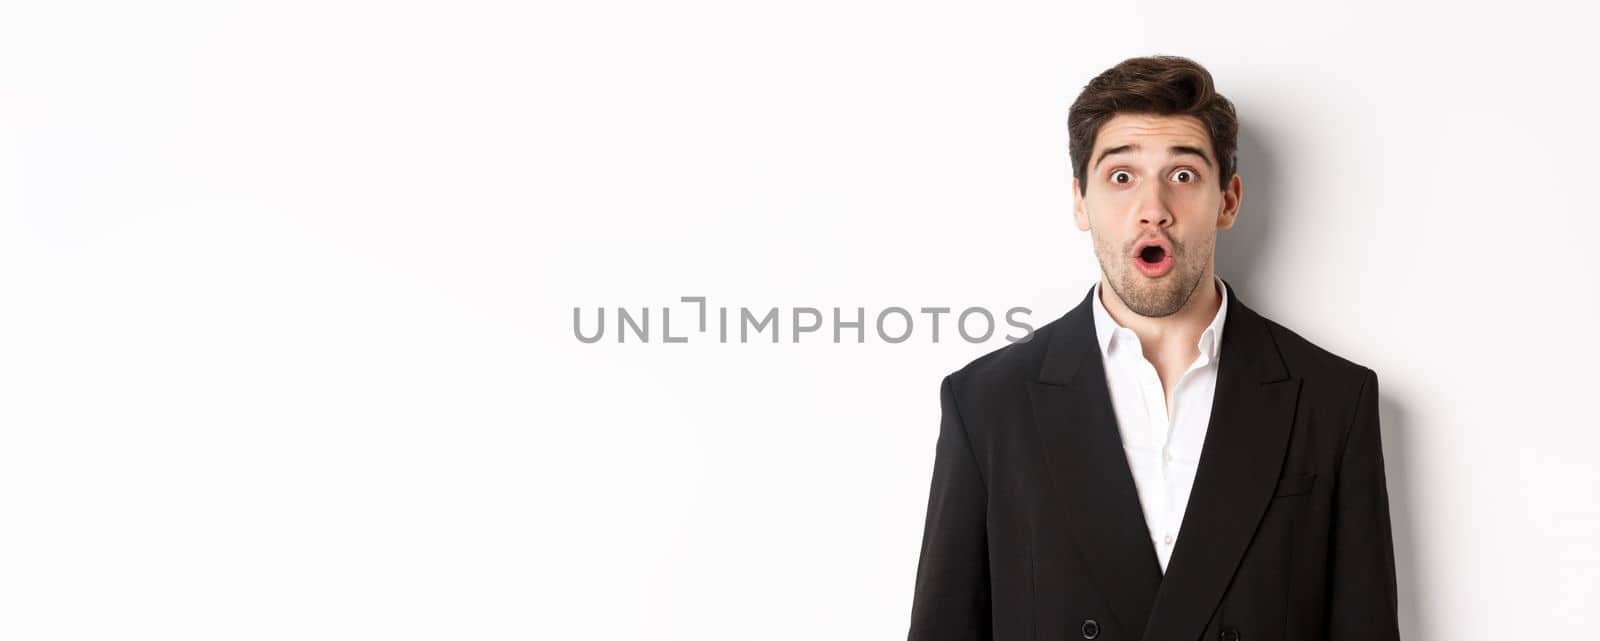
<point>286,295</point>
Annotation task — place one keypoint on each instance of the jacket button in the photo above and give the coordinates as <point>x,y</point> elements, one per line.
<point>1230,634</point>
<point>1091,629</point>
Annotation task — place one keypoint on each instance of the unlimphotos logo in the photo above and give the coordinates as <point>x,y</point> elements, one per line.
<point>889,325</point>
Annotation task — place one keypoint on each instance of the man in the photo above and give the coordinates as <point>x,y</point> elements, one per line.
<point>1161,462</point>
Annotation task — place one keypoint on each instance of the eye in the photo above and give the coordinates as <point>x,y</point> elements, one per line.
<point>1185,175</point>
<point>1119,175</point>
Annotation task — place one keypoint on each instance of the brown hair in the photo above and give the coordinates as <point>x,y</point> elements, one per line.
<point>1159,85</point>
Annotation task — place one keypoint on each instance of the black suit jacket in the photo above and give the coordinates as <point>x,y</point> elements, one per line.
<point>1034,530</point>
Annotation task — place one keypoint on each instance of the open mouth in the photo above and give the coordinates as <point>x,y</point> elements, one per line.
<point>1153,259</point>
<point>1153,254</point>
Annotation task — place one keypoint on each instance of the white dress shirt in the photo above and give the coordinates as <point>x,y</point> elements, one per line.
<point>1162,444</point>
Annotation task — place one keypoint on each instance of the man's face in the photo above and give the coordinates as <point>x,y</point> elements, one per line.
<point>1154,178</point>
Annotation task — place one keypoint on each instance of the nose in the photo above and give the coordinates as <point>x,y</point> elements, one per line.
<point>1152,209</point>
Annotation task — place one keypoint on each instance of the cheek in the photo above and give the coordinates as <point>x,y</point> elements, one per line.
<point>1102,245</point>
<point>1200,200</point>
<point>1197,247</point>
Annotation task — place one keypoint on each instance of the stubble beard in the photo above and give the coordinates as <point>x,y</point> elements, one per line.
<point>1152,297</point>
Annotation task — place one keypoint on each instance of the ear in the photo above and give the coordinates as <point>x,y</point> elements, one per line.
<point>1232,196</point>
<point>1080,215</point>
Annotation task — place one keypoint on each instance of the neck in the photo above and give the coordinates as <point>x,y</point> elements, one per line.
<point>1180,330</point>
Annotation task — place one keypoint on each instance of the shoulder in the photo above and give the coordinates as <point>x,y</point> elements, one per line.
<point>1002,375</point>
<point>1305,357</point>
<point>1327,375</point>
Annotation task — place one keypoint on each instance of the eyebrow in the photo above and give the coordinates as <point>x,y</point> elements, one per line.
<point>1176,150</point>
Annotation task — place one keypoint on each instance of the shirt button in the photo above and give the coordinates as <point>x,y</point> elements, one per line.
<point>1168,539</point>
<point>1168,457</point>
<point>1091,628</point>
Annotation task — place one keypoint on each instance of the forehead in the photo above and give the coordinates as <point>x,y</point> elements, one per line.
<point>1152,132</point>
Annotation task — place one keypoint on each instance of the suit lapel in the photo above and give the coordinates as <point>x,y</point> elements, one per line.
<point>1251,414</point>
<point>1078,433</point>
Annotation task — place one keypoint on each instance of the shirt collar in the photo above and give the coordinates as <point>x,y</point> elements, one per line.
<point>1106,328</point>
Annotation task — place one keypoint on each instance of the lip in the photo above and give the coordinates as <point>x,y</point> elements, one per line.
<point>1157,269</point>
<point>1156,241</point>
<point>1154,270</point>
